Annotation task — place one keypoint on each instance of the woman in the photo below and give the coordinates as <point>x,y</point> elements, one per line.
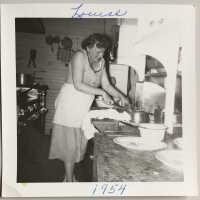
<point>87,77</point>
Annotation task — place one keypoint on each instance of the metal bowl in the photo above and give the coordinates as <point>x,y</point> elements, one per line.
<point>140,117</point>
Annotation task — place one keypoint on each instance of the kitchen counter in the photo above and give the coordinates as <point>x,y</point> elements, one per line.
<point>115,163</point>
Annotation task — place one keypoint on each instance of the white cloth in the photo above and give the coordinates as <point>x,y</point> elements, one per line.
<point>87,126</point>
<point>71,106</point>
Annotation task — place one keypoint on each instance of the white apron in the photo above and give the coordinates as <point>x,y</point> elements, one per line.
<point>71,106</point>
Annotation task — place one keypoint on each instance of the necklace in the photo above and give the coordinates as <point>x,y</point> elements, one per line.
<point>92,65</point>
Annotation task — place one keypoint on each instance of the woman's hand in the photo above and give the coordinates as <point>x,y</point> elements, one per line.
<point>124,101</point>
<point>107,98</point>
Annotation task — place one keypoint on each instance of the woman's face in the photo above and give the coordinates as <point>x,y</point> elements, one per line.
<point>95,54</point>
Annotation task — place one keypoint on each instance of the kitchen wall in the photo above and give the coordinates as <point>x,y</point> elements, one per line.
<point>49,70</point>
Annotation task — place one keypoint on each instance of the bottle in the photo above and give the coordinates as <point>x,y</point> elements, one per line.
<point>163,116</point>
<point>157,114</point>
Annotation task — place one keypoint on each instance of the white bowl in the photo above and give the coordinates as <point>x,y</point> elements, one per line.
<point>152,132</point>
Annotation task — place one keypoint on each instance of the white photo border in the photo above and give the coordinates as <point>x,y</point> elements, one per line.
<point>9,121</point>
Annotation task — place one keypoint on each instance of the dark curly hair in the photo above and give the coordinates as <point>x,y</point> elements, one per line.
<point>101,41</point>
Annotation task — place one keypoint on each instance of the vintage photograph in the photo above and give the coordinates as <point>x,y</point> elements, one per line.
<point>99,99</point>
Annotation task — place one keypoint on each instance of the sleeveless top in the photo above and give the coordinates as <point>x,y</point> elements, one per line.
<point>90,77</point>
<point>71,105</point>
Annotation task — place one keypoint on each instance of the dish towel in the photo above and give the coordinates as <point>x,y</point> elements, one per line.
<point>87,126</point>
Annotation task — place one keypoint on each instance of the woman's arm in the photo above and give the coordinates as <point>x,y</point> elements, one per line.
<point>106,85</point>
<point>133,79</point>
<point>77,76</point>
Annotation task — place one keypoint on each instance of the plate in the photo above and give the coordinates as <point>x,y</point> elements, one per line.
<point>171,158</point>
<point>136,143</point>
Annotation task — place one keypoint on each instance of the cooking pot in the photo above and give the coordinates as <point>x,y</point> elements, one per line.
<point>140,116</point>
<point>24,79</point>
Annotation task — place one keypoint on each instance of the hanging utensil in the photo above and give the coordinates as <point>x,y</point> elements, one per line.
<point>32,58</point>
<point>49,41</point>
<point>67,43</point>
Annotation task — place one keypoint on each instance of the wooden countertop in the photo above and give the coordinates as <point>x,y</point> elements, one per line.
<point>113,163</point>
